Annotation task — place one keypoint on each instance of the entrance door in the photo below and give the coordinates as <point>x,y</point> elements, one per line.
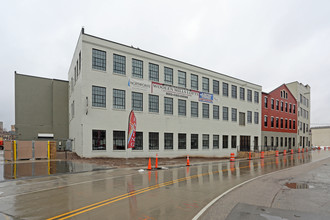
<point>256,143</point>
<point>245,143</point>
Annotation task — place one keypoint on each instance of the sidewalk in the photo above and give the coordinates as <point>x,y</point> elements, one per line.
<point>268,197</point>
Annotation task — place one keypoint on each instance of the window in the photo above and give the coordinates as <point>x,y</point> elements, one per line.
<point>234,91</point>
<point>168,106</point>
<point>168,75</point>
<point>265,121</point>
<point>215,112</point>
<point>290,123</point>
<point>225,113</point>
<point>256,97</point>
<point>265,141</point>
<point>272,141</point>
<point>99,60</point>
<point>194,82</point>
<point>215,141</point>
<point>72,109</point>
<point>249,95</point>
<point>119,64</point>
<point>216,87</point>
<point>153,103</point>
<point>281,122</point>
<point>281,142</point>
<point>277,105</point>
<point>168,141</point>
<point>182,141</point>
<point>276,122</point>
<point>225,141</point>
<point>272,122</point>
<point>242,118</point>
<point>182,107</point>
<point>294,124</point>
<point>276,142</point>
<point>137,101</point>
<point>286,107</point>
<point>153,141</point>
<point>99,141</point>
<point>98,96</point>
<point>286,123</point>
<point>233,141</point>
<point>206,141</point>
<point>205,110</point>
<point>242,93</point>
<point>233,114</point>
<point>119,99</point>
<point>290,108</point>
<point>205,84</point>
<point>138,141</point>
<point>194,109</point>
<point>293,142</point>
<point>286,141</point>
<point>194,141</point>
<point>153,72</point>
<point>266,102</point>
<point>272,103</point>
<point>137,68</point>
<point>225,89</point>
<point>119,140</point>
<point>282,106</point>
<point>256,117</point>
<point>249,117</point>
<point>182,79</point>
<point>294,109</point>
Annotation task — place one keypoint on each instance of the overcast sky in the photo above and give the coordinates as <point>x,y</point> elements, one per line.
<point>266,42</point>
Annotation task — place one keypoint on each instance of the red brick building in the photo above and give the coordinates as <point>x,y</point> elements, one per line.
<point>279,115</point>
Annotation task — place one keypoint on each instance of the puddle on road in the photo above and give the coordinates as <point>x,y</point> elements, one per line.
<point>9,171</point>
<point>297,185</point>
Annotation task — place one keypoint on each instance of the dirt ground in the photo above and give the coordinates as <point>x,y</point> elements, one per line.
<point>140,162</point>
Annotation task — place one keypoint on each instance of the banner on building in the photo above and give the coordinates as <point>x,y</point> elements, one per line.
<point>131,130</point>
<point>205,97</point>
<point>169,90</point>
<point>139,85</point>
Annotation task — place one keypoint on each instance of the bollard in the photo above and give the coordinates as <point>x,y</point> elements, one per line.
<point>232,157</point>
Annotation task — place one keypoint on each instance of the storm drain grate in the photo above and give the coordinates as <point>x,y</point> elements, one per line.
<point>297,185</point>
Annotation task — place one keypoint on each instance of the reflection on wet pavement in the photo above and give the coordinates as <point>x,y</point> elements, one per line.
<point>12,170</point>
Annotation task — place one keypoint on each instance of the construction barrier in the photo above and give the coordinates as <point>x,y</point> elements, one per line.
<point>276,154</point>
<point>284,153</point>
<point>25,150</point>
<point>232,157</point>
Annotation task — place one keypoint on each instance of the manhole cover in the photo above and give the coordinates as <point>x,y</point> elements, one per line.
<point>297,185</point>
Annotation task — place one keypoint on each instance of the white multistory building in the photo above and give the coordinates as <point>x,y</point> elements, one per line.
<point>302,93</point>
<point>181,109</point>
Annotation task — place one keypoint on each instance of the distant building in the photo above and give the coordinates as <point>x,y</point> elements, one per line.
<point>1,126</point>
<point>41,108</point>
<point>302,93</point>
<point>321,136</point>
<point>279,114</point>
<point>13,128</point>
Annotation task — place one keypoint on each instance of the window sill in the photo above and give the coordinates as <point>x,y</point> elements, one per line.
<point>119,74</point>
<point>101,108</point>
<point>101,71</point>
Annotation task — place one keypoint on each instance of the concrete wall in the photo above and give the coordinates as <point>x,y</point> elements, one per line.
<point>40,107</point>
<point>84,118</point>
<point>321,136</point>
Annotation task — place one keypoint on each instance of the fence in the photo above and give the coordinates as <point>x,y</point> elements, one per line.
<point>25,150</point>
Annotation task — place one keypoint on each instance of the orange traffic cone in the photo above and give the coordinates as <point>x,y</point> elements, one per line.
<point>262,156</point>
<point>284,152</point>
<point>291,151</point>
<point>249,155</point>
<point>298,150</point>
<point>232,157</point>
<point>276,153</point>
<point>302,150</point>
<point>156,165</point>
<point>188,163</point>
<point>149,164</point>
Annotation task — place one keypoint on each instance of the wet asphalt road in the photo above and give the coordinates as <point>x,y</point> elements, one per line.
<point>175,193</point>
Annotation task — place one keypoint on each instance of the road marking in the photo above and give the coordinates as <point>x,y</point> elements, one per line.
<point>137,192</point>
